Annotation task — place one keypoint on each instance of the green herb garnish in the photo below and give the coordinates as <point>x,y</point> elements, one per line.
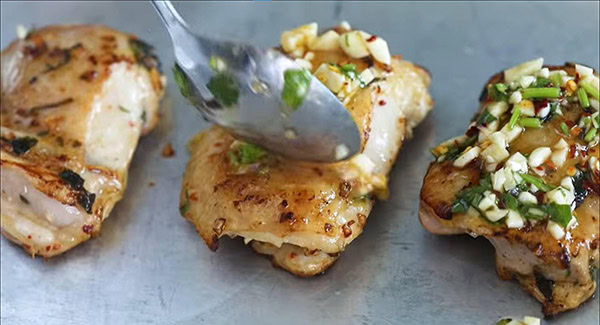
<point>295,87</point>
<point>123,109</point>
<point>498,92</point>
<point>583,97</point>
<point>144,53</point>
<point>224,88</point>
<point>504,321</point>
<point>244,153</point>
<point>541,82</point>
<point>485,118</point>
<point>529,93</point>
<point>455,151</point>
<point>537,182</point>
<point>590,89</point>
<point>530,122</point>
<point>564,128</point>
<point>591,133</point>
<point>559,213</point>
<point>183,82</point>
<point>514,117</point>
<point>510,201</point>
<point>556,80</point>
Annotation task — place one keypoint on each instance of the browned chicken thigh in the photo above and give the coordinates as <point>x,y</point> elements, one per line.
<point>526,176</point>
<point>303,214</point>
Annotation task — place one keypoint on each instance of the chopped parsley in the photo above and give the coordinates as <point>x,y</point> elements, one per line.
<point>243,153</point>
<point>485,118</point>
<point>498,92</point>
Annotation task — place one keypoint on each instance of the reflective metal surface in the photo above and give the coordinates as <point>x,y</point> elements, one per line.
<point>149,266</point>
<point>319,125</point>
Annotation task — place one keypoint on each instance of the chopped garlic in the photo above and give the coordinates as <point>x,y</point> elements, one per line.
<point>498,179</point>
<point>354,45</point>
<point>497,108</point>
<point>498,138</point>
<point>522,69</point>
<point>594,103</point>
<point>378,48</point>
<point>527,198</point>
<point>466,157</point>
<point>295,41</point>
<point>526,107</point>
<point>488,201</point>
<point>559,155</point>
<point>517,163</point>
<point>555,230</point>
<point>341,151</point>
<point>594,163</point>
<point>584,71</point>
<point>560,195</point>
<point>526,81</point>
<point>496,214</point>
<point>303,63</point>
<point>515,98</point>
<point>328,41</point>
<point>330,77</point>
<point>514,219</point>
<point>539,156</point>
<point>345,25</point>
<point>511,181</point>
<point>22,31</point>
<point>528,320</point>
<point>509,134</point>
<point>544,73</point>
<point>495,153</point>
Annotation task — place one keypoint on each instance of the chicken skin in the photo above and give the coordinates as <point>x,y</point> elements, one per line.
<point>75,101</point>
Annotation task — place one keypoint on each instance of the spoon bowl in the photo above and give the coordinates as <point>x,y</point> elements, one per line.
<point>239,87</point>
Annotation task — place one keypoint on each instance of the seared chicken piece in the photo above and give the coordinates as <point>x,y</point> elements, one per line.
<point>525,176</point>
<point>303,214</point>
<point>75,101</point>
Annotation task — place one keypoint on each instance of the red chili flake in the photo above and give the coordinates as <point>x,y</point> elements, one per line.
<point>327,227</point>
<point>577,78</point>
<point>28,236</point>
<point>382,102</point>
<point>572,151</point>
<point>47,248</point>
<point>372,38</point>
<point>540,105</point>
<point>87,229</point>
<point>292,255</point>
<point>93,59</point>
<point>347,230</point>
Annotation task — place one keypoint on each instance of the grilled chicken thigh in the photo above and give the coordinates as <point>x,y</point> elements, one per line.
<point>526,176</point>
<point>75,100</point>
<point>303,214</point>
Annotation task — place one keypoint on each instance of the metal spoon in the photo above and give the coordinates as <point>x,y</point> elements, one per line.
<point>247,84</point>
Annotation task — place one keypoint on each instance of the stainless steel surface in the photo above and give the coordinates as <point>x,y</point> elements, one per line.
<point>149,266</point>
<point>317,127</point>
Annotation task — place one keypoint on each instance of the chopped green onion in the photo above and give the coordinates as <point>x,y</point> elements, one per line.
<point>510,201</point>
<point>589,136</point>
<point>583,97</point>
<point>346,40</point>
<point>182,81</point>
<point>504,321</point>
<point>537,182</point>
<point>295,86</point>
<point>590,89</point>
<point>514,117</point>
<point>530,122</point>
<point>559,213</point>
<point>123,109</point>
<point>460,206</point>
<point>540,93</point>
<point>498,92</point>
<point>556,80</point>
<point>485,118</point>
<point>564,128</point>
<point>245,153</point>
<point>224,88</point>
<point>542,82</point>
<point>526,212</point>
<point>349,70</point>
<point>216,63</point>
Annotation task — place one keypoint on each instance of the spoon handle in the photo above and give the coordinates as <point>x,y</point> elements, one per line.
<point>169,15</point>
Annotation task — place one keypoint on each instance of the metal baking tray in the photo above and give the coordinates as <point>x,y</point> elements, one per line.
<point>150,267</point>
